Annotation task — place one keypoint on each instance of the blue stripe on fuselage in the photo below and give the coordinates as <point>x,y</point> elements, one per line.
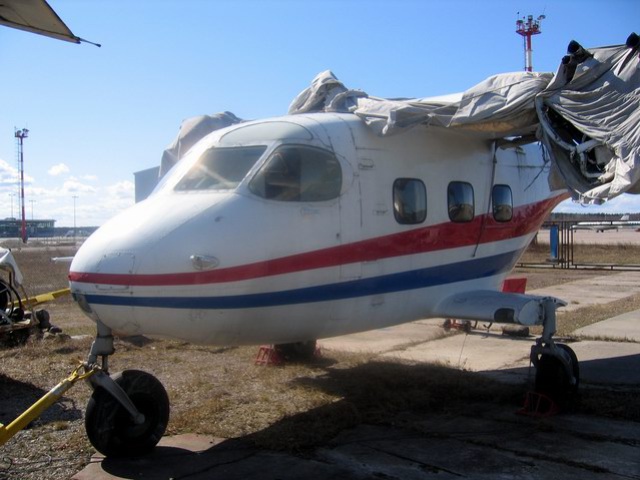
<point>411,280</point>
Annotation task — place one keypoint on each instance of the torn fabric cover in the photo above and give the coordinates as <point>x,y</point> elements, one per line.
<point>590,118</point>
<point>501,105</point>
<point>587,114</point>
<point>192,130</point>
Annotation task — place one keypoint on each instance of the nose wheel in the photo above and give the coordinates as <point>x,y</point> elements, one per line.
<point>111,428</point>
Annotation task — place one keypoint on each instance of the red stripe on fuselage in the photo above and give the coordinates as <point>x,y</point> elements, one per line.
<point>483,229</point>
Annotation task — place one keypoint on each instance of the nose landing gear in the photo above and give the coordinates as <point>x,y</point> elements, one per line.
<point>128,412</point>
<point>111,428</point>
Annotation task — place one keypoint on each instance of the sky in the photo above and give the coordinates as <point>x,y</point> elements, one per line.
<point>97,115</point>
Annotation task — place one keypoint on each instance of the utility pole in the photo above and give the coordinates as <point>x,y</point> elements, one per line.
<point>20,136</point>
<point>528,27</point>
<point>75,197</point>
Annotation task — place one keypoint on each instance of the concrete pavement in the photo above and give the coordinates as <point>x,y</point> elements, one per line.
<point>625,328</point>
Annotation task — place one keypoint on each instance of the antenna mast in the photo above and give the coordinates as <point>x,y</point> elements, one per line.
<point>528,27</point>
<point>20,136</point>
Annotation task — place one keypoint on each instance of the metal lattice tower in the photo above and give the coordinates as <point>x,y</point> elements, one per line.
<point>527,27</point>
<point>20,136</point>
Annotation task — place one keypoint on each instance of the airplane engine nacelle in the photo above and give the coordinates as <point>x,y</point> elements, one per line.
<point>498,307</point>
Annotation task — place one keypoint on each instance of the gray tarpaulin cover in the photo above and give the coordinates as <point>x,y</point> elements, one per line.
<point>192,130</point>
<point>587,115</point>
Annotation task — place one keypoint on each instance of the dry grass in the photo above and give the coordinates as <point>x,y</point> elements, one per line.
<point>219,391</point>
<point>582,317</point>
<point>589,253</point>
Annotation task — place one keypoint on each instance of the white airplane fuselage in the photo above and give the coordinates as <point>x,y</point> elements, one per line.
<point>367,238</point>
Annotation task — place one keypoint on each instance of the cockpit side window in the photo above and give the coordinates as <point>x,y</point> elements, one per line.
<point>298,173</point>
<point>220,168</point>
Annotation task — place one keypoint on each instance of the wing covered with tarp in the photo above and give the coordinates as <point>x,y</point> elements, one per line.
<point>587,115</point>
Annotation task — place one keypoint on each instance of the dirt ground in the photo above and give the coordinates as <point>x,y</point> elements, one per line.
<point>221,392</point>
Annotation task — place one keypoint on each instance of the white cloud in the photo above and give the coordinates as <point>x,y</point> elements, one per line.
<point>83,201</point>
<point>8,174</point>
<point>74,186</point>
<point>122,190</point>
<point>58,170</point>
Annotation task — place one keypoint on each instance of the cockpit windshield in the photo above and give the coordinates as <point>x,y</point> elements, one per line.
<point>220,168</point>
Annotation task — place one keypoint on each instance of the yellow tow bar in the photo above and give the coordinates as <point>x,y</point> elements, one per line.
<point>81,372</point>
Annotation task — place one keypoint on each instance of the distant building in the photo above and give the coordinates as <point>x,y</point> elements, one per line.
<point>146,181</point>
<point>12,228</point>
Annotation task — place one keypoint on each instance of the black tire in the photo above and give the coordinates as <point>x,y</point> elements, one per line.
<point>553,380</point>
<point>296,352</point>
<point>575,366</point>
<point>110,428</point>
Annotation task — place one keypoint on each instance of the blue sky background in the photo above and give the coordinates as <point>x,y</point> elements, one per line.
<point>96,115</point>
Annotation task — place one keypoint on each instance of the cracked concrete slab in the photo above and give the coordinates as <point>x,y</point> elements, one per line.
<point>593,291</point>
<point>387,339</point>
<point>200,457</point>
<point>477,351</point>
<point>476,445</point>
<point>625,327</point>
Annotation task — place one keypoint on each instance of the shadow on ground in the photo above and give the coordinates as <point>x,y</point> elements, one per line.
<point>18,396</point>
<point>397,420</point>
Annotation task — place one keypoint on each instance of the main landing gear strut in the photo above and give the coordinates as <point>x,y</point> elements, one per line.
<point>557,367</point>
<point>557,370</point>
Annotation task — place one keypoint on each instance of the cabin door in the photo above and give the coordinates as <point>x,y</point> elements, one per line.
<point>350,210</point>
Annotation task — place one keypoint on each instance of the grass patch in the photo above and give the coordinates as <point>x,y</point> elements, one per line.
<point>374,393</point>
<point>582,317</point>
<point>588,253</point>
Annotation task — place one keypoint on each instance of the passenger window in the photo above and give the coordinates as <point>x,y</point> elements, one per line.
<point>502,200</point>
<point>460,202</point>
<point>297,173</point>
<point>409,201</point>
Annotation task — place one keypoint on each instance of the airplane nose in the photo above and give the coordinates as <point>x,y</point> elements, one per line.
<point>140,242</point>
<point>108,252</point>
<point>161,236</point>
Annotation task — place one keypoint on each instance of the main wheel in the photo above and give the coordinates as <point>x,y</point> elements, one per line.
<point>553,380</point>
<point>111,429</point>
